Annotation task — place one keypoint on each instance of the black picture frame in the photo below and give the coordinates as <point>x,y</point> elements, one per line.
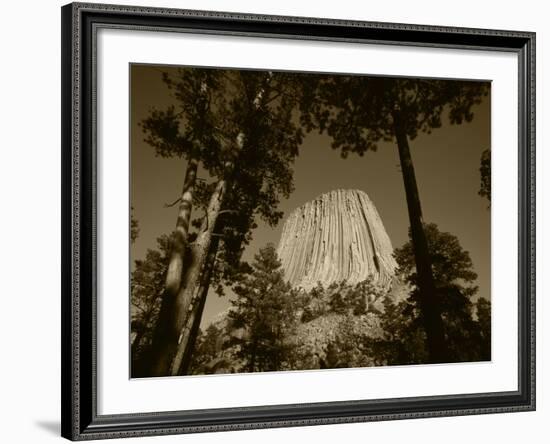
<point>79,391</point>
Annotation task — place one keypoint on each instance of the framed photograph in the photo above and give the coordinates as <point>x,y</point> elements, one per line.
<point>281,221</point>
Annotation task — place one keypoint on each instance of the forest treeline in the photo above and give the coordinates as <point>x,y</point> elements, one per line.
<point>241,131</point>
<point>273,327</point>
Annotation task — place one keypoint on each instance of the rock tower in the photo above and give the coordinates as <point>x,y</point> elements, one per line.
<point>337,236</point>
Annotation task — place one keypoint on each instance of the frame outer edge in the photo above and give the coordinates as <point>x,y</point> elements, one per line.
<point>66,358</point>
<point>532,61</point>
<point>72,428</point>
<point>70,139</point>
<point>235,16</point>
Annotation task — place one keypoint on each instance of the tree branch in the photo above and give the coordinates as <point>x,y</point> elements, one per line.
<point>173,203</point>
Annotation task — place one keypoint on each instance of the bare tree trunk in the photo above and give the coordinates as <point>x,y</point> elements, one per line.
<point>165,329</point>
<point>191,328</point>
<point>191,339</point>
<point>181,233</point>
<point>189,293</point>
<point>429,304</point>
<point>136,363</point>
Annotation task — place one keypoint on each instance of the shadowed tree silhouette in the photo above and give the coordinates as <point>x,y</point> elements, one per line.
<point>208,345</point>
<point>147,285</point>
<point>453,278</point>
<point>134,227</point>
<point>483,312</point>
<point>485,173</point>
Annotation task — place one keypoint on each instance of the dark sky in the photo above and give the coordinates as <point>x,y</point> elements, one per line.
<point>447,171</point>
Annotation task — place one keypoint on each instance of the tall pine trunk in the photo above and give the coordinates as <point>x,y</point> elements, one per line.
<point>166,329</point>
<point>194,321</point>
<point>189,293</point>
<point>191,328</point>
<point>429,303</point>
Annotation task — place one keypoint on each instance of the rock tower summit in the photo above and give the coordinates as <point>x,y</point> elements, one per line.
<point>337,236</point>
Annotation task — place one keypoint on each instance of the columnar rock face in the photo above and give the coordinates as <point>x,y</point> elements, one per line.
<point>338,236</point>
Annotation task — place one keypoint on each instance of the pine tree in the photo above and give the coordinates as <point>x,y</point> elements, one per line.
<point>454,277</point>
<point>265,310</point>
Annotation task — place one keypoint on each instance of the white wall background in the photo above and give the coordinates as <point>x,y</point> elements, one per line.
<point>30,221</point>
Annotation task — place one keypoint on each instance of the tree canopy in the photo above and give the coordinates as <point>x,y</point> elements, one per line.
<point>357,111</point>
<point>214,108</point>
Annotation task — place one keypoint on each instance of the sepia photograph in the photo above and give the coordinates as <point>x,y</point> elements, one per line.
<point>284,221</point>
